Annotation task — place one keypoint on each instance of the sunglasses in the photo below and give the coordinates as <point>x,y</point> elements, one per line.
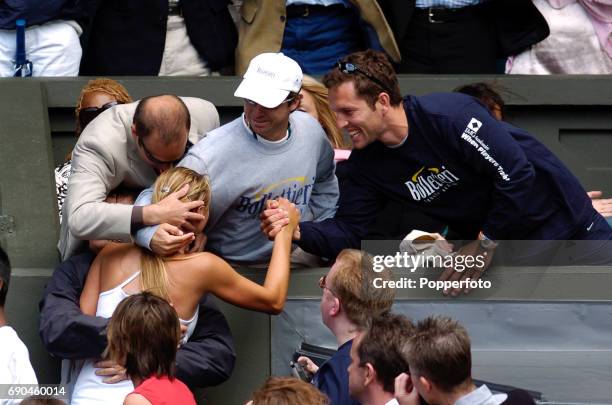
<point>350,68</point>
<point>156,161</point>
<point>323,285</point>
<point>86,115</point>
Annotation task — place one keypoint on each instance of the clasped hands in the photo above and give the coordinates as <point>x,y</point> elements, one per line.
<point>275,217</point>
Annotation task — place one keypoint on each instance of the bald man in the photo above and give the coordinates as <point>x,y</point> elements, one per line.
<point>130,145</point>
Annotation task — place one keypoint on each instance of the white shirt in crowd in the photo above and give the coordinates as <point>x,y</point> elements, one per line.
<point>15,366</point>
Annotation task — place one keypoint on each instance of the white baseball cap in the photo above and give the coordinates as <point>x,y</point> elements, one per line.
<point>269,79</point>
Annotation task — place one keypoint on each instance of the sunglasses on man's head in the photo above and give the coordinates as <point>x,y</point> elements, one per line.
<point>86,115</point>
<point>351,68</point>
<point>156,161</point>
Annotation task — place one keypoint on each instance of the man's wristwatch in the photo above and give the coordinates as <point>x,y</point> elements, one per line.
<point>486,243</point>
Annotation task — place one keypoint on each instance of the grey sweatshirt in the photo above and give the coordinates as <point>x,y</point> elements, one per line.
<point>245,172</point>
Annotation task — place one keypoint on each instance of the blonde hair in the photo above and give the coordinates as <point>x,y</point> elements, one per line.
<point>326,116</point>
<point>153,268</point>
<point>353,283</point>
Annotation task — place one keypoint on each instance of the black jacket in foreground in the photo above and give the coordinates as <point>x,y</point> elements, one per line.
<point>207,359</point>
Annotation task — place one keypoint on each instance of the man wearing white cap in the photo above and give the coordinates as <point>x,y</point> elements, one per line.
<point>271,151</point>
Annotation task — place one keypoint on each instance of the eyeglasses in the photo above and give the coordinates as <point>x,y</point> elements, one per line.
<point>350,68</point>
<point>253,103</point>
<point>156,161</point>
<point>86,115</point>
<point>323,285</point>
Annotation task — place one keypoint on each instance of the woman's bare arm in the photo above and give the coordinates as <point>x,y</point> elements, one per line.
<point>223,281</point>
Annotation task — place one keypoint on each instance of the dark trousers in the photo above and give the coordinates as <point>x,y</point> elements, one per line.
<point>461,44</point>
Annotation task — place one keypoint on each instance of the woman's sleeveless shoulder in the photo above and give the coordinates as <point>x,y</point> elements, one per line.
<point>110,260</point>
<point>193,262</point>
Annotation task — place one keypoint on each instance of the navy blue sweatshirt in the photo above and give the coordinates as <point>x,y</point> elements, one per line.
<point>37,12</point>
<point>332,378</point>
<point>463,167</point>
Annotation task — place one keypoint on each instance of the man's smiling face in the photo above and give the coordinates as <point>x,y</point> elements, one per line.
<point>363,123</point>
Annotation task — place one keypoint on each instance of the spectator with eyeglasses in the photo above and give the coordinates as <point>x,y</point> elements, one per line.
<point>130,145</point>
<point>271,151</point>
<point>445,155</point>
<point>348,302</point>
<point>96,96</point>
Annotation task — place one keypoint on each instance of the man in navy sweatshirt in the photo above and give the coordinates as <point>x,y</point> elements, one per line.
<point>445,155</point>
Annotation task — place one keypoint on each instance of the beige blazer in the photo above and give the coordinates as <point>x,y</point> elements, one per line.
<point>104,157</point>
<point>262,25</point>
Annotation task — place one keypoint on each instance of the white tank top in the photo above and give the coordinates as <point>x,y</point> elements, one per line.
<point>89,388</point>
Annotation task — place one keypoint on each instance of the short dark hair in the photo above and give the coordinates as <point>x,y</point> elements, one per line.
<point>381,346</point>
<point>168,121</point>
<point>371,62</point>
<point>5,275</point>
<point>288,391</point>
<point>143,335</point>
<point>440,351</point>
<point>487,93</point>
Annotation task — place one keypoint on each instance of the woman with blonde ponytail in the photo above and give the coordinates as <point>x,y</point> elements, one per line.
<point>121,270</point>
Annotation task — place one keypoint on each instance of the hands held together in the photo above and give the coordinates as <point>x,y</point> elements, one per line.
<point>280,214</point>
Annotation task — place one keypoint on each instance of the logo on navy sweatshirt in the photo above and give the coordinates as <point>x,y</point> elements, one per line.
<point>428,183</point>
<point>469,135</point>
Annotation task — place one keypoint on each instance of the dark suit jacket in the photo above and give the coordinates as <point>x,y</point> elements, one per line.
<point>207,359</point>
<point>39,12</point>
<point>127,37</point>
<point>519,24</point>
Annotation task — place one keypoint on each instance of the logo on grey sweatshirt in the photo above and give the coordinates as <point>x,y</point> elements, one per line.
<point>295,189</point>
